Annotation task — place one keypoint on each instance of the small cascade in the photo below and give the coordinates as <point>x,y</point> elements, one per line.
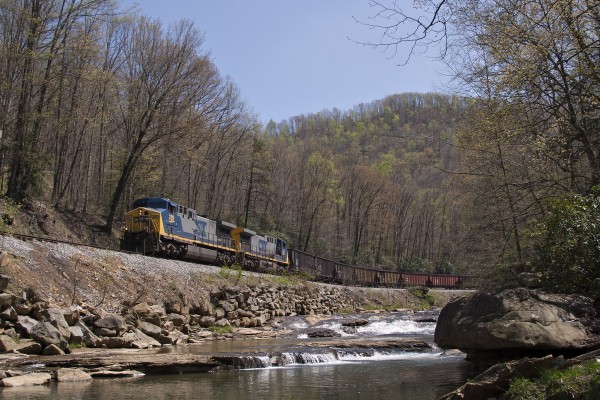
<point>244,361</point>
<point>289,358</point>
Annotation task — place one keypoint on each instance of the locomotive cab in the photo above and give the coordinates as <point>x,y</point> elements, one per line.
<point>145,223</point>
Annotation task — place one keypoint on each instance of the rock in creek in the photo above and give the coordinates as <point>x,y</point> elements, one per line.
<point>516,322</point>
<point>71,375</point>
<point>321,332</point>
<point>27,380</point>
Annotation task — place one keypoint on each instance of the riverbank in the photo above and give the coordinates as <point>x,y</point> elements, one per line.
<point>98,299</point>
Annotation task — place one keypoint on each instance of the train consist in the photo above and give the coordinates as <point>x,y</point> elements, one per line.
<point>163,228</point>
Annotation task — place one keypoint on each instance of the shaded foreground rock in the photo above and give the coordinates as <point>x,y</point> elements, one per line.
<point>496,380</point>
<point>517,322</point>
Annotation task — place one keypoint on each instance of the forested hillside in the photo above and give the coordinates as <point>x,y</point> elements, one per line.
<point>100,107</point>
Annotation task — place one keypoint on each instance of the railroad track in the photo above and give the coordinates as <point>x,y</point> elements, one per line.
<point>317,276</point>
<point>27,238</point>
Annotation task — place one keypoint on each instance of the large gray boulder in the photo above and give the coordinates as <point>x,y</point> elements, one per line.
<point>514,322</point>
<point>89,338</point>
<point>47,334</point>
<point>25,324</point>
<point>111,322</point>
<point>149,329</point>
<point>56,317</point>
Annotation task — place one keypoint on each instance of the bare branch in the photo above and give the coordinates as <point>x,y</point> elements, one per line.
<point>406,34</point>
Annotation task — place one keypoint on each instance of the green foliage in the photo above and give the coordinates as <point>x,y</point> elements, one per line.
<point>232,272</point>
<point>578,382</point>
<point>524,389</point>
<point>422,294</point>
<point>569,248</point>
<point>221,330</point>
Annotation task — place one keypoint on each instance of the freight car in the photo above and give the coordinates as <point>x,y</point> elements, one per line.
<point>333,272</point>
<point>161,227</point>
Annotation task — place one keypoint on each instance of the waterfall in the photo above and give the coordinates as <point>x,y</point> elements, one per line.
<point>288,358</point>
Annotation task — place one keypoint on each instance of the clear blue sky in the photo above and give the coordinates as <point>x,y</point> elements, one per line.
<point>294,57</point>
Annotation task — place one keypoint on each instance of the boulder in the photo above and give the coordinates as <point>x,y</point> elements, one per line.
<point>354,322</point>
<point>144,309</point>
<point>201,304</point>
<point>177,319</point>
<point>6,344</point>
<point>321,332</point>
<point>28,346</point>
<point>149,329</point>
<point>53,350</point>
<point>514,322</point>
<point>111,322</point>
<point>23,308</point>
<point>8,314</point>
<point>89,338</point>
<point>143,341</point>
<point>7,299</point>
<point>173,338</point>
<point>71,315</point>
<point>56,317</point>
<point>25,324</point>
<point>105,332</point>
<point>76,335</point>
<point>207,321</point>
<point>124,341</point>
<point>27,380</point>
<point>71,375</point>
<point>47,334</point>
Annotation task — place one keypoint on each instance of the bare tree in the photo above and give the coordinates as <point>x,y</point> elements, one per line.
<point>165,78</point>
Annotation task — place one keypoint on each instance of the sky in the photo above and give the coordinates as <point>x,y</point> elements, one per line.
<point>295,57</point>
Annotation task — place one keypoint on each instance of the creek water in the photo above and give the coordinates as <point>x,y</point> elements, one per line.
<point>301,372</point>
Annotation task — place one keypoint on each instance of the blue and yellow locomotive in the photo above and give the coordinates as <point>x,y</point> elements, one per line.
<point>161,227</point>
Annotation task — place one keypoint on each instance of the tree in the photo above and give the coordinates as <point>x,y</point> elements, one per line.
<point>166,79</point>
<point>35,36</point>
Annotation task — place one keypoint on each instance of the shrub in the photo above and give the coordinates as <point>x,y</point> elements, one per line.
<point>569,246</point>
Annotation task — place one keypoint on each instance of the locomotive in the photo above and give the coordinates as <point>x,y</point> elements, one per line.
<point>161,227</point>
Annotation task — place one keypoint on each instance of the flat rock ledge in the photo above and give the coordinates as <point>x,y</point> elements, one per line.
<point>99,362</point>
<point>131,362</point>
<point>390,344</point>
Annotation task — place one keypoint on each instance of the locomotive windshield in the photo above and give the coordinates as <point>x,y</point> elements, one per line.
<point>150,203</point>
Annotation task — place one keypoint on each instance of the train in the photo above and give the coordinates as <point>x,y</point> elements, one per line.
<point>161,227</point>
<point>158,226</point>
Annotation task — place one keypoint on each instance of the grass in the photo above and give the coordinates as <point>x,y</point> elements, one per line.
<point>221,330</point>
<point>578,382</point>
<point>232,272</point>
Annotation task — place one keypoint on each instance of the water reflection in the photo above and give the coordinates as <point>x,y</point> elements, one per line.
<point>413,378</point>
